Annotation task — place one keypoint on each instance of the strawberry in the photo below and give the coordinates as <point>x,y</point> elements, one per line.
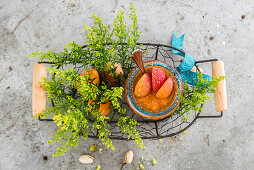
<point>158,78</point>
<point>166,89</point>
<point>143,86</point>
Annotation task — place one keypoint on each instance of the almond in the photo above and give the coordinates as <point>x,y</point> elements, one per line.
<point>86,159</point>
<point>129,157</point>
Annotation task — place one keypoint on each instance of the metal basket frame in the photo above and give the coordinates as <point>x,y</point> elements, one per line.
<point>151,129</point>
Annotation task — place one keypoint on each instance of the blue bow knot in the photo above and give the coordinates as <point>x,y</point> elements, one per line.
<point>187,63</point>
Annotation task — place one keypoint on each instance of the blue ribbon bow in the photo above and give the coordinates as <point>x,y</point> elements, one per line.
<point>187,64</point>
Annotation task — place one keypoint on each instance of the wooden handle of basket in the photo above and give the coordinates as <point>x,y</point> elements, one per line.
<point>39,92</point>
<point>220,93</point>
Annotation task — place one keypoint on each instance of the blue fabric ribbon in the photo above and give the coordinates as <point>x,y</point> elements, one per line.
<point>187,64</point>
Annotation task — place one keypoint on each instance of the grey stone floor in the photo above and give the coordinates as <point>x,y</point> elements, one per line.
<point>28,25</point>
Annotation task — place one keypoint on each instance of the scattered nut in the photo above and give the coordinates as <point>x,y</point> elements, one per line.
<point>154,161</point>
<point>86,159</point>
<point>93,148</point>
<point>129,157</point>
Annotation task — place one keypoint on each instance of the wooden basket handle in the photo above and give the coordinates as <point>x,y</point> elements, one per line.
<point>39,92</point>
<point>220,93</point>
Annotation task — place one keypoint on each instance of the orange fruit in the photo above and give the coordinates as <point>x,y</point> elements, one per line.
<point>109,78</point>
<point>119,70</point>
<point>94,75</point>
<point>166,89</point>
<point>104,108</point>
<point>158,78</point>
<point>143,86</point>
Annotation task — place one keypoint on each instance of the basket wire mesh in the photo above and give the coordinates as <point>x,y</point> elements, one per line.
<point>148,129</point>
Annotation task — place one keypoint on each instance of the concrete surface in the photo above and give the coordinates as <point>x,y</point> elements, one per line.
<point>28,25</point>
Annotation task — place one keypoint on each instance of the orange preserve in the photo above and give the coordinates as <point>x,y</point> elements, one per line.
<point>150,102</point>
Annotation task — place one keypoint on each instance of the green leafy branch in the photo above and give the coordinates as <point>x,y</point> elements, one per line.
<point>71,92</point>
<point>71,54</point>
<point>74,116</point>
<point>194,97</point>
<point>126,38</point>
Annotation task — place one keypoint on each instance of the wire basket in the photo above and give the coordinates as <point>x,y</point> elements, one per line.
<point>149,129</point>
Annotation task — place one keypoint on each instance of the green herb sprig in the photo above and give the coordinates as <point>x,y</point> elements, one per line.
<point>194,97</point>
<point>75,117</point>
<point>71,92</point>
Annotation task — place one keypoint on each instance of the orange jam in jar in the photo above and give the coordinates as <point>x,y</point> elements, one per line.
<point>151,103</point>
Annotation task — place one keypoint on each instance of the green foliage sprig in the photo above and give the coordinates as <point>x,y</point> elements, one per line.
<point>74,116</point>
<point>123,40</point>
<point>72,54</point>
<point>128,35</point>
<point>71,92</point>
<point>195,96</point>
